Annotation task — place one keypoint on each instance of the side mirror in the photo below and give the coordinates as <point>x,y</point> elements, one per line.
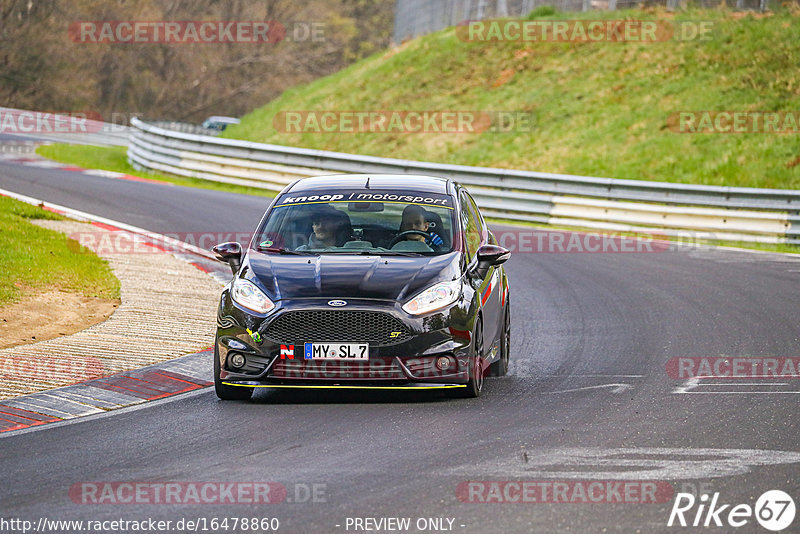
<point>230,253</point>
<point>489,255</point>
<point>493,255</point>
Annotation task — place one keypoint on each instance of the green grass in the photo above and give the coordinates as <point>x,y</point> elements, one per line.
<point>115,159</point>
<point>34,258</point>
<point>601,109</point>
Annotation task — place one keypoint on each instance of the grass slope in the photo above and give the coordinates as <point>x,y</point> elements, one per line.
<point>601,108</point>
<point>34,258</point>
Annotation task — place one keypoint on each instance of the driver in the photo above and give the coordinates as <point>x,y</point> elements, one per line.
<point>414,219</point>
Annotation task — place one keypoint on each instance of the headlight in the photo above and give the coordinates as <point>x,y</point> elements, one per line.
<point>247,294</point>
<point>434,298</point>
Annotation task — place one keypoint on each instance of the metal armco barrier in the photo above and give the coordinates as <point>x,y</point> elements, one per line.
<point>44,125</point>
<point>699,211</point>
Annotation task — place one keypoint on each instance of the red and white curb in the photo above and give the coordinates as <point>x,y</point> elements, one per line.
<point>173,377</point>
<point>181,375</point>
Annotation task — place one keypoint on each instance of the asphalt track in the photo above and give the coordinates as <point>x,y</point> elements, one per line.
<point>587,397</point>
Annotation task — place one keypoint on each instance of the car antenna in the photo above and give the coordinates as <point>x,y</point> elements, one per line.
<point>366,185</point>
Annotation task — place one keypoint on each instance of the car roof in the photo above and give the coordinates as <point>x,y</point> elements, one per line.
<point>397,182</point>
<point>220,118</point>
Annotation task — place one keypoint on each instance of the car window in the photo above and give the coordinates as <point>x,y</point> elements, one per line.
<point>472,223</point>
<point>370,221</point>
<point>480,222</point>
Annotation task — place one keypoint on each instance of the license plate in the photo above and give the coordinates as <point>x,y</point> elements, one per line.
<point>336,351</point>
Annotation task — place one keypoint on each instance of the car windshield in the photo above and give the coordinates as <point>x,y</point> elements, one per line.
<point>359,222</point>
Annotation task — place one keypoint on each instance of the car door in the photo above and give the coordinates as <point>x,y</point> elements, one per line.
<point>488,288</point>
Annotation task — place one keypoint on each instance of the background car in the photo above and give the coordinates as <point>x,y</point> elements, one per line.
<point>218,122</point>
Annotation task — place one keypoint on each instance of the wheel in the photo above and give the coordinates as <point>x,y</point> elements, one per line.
<point>228,392</point>
<point>476,372</point>
<point>500,367</point>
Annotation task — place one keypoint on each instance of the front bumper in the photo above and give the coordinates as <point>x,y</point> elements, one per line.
<point>407,364</point>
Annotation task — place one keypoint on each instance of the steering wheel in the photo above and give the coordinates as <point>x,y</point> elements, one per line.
<point>399,237</point>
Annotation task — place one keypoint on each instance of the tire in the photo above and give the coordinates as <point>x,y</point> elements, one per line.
<point>500,367</point>
<point>228,392</point>
<point>476,372</point>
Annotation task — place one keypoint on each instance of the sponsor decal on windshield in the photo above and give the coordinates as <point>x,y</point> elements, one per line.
<point>405,197</point>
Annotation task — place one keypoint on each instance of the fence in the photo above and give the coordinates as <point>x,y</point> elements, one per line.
<point>709,212</point>
<point>419,17</point>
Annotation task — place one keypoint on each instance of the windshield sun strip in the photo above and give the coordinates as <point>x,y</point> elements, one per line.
<point>351,201</point>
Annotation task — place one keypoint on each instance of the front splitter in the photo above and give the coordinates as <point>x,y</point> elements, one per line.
<point>342,386</point>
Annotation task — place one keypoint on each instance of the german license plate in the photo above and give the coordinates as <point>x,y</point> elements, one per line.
<point>336,351</point>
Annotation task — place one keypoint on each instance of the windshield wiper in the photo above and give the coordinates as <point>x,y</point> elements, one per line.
<point>283,251</point>
<point>357,252</point>
<point>399,253</point>
<point>386,253</point>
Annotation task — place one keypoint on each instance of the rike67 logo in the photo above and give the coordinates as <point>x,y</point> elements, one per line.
<point>774,510</point>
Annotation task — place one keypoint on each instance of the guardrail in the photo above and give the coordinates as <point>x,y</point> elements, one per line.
<point>62,128</point>
<point>708,212</point>
<point>185,127</point>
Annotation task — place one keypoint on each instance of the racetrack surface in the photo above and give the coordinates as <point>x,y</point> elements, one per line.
<point>587,397</point>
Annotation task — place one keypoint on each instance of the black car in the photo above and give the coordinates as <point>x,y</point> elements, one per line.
<point>367,282</point>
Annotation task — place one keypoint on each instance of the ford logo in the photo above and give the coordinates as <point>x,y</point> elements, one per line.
<point>337,303</point>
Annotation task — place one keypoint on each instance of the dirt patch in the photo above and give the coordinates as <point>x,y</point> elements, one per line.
<point>49,315</point>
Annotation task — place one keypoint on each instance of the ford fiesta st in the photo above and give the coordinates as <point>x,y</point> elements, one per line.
<point>364,281</point>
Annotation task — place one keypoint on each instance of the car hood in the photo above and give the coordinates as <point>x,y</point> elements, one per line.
<point>350,276</point>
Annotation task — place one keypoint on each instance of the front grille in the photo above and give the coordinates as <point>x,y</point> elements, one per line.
<point>376,328</point>
<point>376,369</point>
